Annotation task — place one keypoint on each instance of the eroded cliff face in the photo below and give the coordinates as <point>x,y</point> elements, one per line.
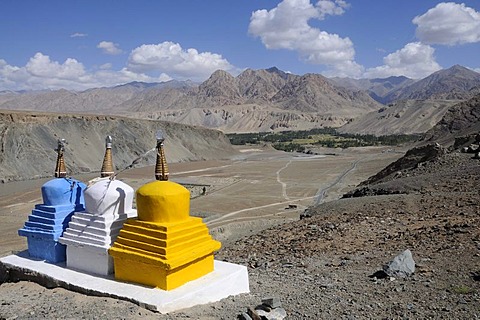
<point>28,140</point>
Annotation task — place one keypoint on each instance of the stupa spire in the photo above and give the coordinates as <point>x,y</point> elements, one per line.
<point>60,169</point>
<point>107,166</point>
<point>161,168</point>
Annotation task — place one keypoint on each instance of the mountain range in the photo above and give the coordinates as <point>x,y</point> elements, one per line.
<point>271,100</point>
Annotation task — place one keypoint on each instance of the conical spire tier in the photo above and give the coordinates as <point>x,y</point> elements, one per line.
<point>107,166</point>
<point>161,168</point>
<point>60,169</point>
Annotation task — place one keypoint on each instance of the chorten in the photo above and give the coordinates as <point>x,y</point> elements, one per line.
<point>164,247</point>
<point>90,233</point>
<point>61,197</point>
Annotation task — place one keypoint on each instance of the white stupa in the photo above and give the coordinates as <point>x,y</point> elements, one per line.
<point>90,233</point>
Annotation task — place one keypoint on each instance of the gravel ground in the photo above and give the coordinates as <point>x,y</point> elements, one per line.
<point>322,266</point>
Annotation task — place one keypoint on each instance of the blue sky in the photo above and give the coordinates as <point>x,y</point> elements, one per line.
<point>83,44</point>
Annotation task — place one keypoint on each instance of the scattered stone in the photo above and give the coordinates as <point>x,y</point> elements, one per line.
<point>274,314</point>
<point>305,214</point>
<point>272,302</point>
<point>270,309</point>
<point>253,314</point>
<point>401,266</point>
<point>244,316</point>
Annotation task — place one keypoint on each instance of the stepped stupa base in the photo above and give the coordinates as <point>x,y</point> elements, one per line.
<point>226,280</point>
<point>88,238</point>
<point>99,261</point>
<point>163,255</point>
<point>157,276</point>
<point>45,248</point>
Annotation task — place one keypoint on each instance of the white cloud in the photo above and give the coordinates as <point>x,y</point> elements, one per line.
<point>448,23</point>
<point>78,35</point>
<point>41,66</point>
<point>347,68</point>
<point>106,66</point>
<point>42,73</point>
<point>171,58</point>
<point>109,48</point>
<point>286,27</point>
<point>415,60</point>
<point>333,8</point>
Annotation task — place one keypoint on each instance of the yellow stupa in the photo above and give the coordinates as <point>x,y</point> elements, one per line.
<point>164,247</point>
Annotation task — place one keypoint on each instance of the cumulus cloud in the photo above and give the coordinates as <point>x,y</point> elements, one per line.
<point>179,63</point>
<point>448,23</point>
<point>109,48</point>
<point>42,73</point>
<point>333,8</point>
<point>415,60</point>
<point>286,27</point>
<point>41,66</point>
<point>78,35</point>
<point>347,68</point>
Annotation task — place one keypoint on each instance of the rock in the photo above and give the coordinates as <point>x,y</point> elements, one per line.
<point>274,314</point>
<point>305,214</point>
<point>272,302</point>
<point>253,314</point>
<point>401,266</point>
<point>244,316</point>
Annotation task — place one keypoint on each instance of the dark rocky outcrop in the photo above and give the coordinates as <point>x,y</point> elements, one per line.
<point>460,120</point>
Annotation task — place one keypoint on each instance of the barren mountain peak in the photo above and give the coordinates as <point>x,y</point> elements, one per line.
<point>455,83</point>
<point>221,74</point>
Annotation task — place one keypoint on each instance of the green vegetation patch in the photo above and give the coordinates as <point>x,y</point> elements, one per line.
<point>462,289</point>
<point>326,137</point>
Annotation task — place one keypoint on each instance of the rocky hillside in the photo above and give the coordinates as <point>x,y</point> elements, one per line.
<point>455,83</point>
<point>460,126</point>
<point>28,140</point>
<point>378,88</point>
<point>461,120</point>
<point>401,117</point>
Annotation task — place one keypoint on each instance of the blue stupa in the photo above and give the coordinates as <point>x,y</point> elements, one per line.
<point>62,196</point>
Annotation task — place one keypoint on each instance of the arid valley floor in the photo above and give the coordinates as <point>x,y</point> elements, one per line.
<point>257,188</point>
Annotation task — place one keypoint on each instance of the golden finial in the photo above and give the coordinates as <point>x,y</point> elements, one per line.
<point>107,166</point>
<point>60,170</point>
<point>161,169</point>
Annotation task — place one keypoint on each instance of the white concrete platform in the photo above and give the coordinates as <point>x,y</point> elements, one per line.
<point>227,279</point>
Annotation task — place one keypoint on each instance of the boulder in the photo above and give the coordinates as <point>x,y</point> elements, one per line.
<point>401,266</point>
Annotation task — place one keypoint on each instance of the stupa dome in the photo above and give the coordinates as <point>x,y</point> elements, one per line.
<point>163,202</point>
<point>108,197</point>
<point>63,191</point>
